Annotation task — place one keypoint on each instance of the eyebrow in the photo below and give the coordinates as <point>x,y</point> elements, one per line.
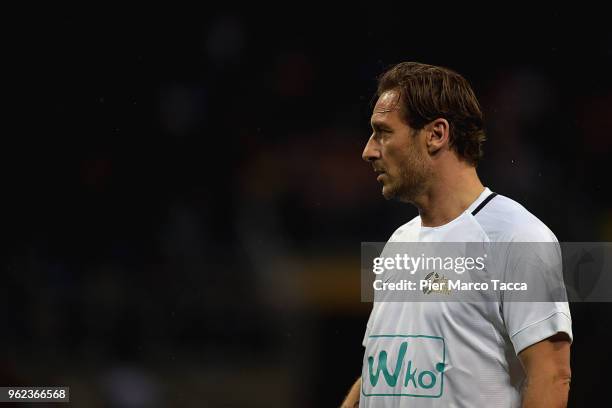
<point>376,125</point>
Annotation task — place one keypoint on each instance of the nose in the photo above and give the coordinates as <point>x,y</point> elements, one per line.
<point>371,151</point>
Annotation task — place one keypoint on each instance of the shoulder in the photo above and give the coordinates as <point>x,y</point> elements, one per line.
<point>505,220</point>
<point>407,230</point>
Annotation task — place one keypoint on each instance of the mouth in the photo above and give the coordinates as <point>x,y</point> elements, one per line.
<point>380,174</point>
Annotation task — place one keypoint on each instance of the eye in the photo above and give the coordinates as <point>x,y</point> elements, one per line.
<point>385,133</point>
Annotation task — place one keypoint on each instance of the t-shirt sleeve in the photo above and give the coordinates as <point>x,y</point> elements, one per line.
<point>542,311</point>
<point>543,319</point>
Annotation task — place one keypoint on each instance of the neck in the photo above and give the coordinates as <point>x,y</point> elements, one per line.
<point>450,193</point>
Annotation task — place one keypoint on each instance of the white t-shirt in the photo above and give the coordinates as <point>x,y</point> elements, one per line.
<point>458,354</point>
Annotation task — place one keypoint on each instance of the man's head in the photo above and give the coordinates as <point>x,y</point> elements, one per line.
<point>424,115</point>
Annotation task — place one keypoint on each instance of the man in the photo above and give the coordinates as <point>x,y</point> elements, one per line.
<point>426,142</point>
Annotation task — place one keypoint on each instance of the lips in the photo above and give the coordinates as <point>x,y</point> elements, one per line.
<point>379,173</point>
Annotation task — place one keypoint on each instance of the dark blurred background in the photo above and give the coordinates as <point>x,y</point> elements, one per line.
<point>184,197</point>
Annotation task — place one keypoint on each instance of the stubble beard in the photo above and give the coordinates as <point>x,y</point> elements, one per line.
<point>411,181</point>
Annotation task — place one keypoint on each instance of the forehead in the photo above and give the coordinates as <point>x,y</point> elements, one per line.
<point>387,106</point>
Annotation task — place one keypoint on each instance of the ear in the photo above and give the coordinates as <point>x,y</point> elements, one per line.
<point>437,135</point>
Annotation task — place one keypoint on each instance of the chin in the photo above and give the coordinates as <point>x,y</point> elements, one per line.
<point>398,194</point>
<point>388,193</point>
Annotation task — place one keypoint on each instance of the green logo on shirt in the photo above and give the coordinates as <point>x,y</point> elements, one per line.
<point>406,366</point>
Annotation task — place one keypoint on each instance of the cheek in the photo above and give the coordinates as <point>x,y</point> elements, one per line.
<point>399,157</point>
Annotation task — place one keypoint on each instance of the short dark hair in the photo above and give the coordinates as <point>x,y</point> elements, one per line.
<point>429,92</point>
